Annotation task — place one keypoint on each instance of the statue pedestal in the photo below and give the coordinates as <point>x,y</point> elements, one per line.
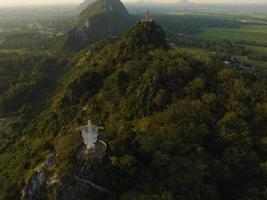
<point>97,153</point>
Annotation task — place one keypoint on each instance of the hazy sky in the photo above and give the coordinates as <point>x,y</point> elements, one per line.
<point>36,2</point>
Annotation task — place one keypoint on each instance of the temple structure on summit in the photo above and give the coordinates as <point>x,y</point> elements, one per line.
<point>91,139</point>
<point>147,18</point>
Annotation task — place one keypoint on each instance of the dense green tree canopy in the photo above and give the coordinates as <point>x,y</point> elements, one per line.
<point>177,126</point>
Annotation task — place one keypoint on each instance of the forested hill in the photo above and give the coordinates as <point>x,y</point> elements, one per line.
<point>178,126</point>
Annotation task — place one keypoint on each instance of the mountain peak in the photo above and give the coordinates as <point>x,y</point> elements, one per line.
<point>85,3</point>
<point>147,33</point>
<point>102,6</point>
<point>100,20</point>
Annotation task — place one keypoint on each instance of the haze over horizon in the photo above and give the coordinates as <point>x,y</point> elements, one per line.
<point>44,2</point>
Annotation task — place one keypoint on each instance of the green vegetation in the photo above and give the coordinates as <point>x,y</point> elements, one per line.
<point>33,28</point>
<point>179,123</point>
<point>247,33</point>
<point>178,126</point>
<point>193,24</point>
<point>245,45</point>
<point>26,85</point>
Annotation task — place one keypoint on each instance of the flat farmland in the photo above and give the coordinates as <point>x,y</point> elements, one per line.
<point>246,33</point>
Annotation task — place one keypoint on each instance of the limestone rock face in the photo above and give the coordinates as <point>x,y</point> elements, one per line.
<point>85,3</point>
<point>81,183</point>
<point>37,184</point>
<point>100,20</point>
<point>79,189</point>
<point>34,186</point>
<point>77,184</point>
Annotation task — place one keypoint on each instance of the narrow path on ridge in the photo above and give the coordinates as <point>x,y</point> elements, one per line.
<point>92,184</point>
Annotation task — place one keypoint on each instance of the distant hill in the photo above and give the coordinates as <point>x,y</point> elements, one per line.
<point>100,20</point>
<point>86,3</point>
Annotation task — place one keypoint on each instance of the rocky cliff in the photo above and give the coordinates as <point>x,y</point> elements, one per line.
<point>100,20</point>
<point>85,3</point>
<point>44,183</point>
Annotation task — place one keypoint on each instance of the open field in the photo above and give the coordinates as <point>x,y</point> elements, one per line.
<point>257,49</point>
<point>194,51</point>
<point>247,33</point>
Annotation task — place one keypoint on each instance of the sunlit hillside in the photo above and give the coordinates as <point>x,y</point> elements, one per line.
<point>130,101</point>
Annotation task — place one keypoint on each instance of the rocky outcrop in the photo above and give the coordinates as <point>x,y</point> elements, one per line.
<point>154,87</point>
<point>85,3</point>
<point>100,20</point>
<point>84,174</point>
<point>81,183</point>
<point>78,185</point>
<point>34,186</point>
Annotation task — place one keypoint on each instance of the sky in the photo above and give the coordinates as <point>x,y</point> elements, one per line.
<point>38,2</point>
